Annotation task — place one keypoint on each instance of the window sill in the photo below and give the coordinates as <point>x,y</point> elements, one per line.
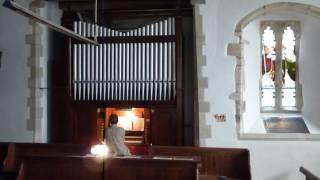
<point>280,136</point>
<point>282,110</point>
<point>259,134</point>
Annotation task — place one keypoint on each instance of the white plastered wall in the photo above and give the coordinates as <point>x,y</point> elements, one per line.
<point>270,159</point>
<point>23,74</point>
<point>14,74</point>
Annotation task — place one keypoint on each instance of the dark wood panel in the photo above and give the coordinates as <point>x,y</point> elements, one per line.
<point>59,98</point>
<point>60,104</point>
<point>164,126</point>
<point>85,122</point>
<point>180,77</point>
<point>59,117</point>
<point>190,112</point>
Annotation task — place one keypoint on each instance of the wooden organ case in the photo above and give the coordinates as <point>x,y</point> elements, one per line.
<point>144,62</point>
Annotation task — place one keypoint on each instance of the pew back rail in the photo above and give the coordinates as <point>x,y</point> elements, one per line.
<point>229,162</point>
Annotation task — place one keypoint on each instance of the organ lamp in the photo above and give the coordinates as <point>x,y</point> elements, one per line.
<point>99,150</point>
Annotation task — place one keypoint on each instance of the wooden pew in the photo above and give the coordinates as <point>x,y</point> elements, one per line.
<point>17,151</point>
<point>111,168</point>
<point>150,168</point>
<point>59,167</point>
<point>216,162</point>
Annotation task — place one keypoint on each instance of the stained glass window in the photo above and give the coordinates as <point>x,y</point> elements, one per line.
<point>288,68</point>
<point>278,67</point>
<point>268,68</point>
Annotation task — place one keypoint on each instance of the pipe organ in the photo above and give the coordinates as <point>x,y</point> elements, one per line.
<point>145,60</point>
<point>133,65</point>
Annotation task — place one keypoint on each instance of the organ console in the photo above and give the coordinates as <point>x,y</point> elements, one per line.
<point>135,123</point>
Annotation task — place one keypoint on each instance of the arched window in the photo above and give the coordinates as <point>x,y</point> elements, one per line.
<point>279,76</point>
<point>275,61</point>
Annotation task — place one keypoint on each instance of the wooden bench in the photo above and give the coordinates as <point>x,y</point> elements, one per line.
<point>61,167</point>
<point>215,162</point>
<point>17,151</point>
<point>53,167</point>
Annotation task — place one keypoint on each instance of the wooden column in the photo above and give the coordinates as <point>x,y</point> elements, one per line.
<point>179,76</point>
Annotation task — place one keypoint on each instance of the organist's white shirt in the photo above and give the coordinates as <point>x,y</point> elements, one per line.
<point>115,140</point>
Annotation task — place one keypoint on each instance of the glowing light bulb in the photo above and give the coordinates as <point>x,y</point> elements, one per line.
<point>99,150</point>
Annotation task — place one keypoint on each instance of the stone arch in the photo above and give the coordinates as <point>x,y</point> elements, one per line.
<point>281,6</point>
<point>236,49</point>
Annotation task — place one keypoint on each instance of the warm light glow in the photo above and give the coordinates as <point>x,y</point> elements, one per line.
<point>130,115</point>
<point>99,150</point>
<point>131,122</point>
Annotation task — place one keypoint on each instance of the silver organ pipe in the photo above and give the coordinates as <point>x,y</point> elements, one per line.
<point>101,62</point>
<point>98,65</point>
<point>127,70</point>
<point>156,28</point>
<point>156,69</point>
<point>139,66</point>
<point>79,67</point>
<point>108,73</point>
<point>104,66</point>
<point>169,82</point>
<point>90,66</point>
<point>135,72</point>
<point>84,60</point>
<point>147,67</point>
<point>75,69</point>
<point>152,82</point>
<point>131,68</point>
<point>135,54</point>
<point>116,71</point>
<point>146,77</point>
<point>152,67</point>
<point>173,69</point>
<point>119,60</point>
<point>95,71</point>
<point>112,70</point>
